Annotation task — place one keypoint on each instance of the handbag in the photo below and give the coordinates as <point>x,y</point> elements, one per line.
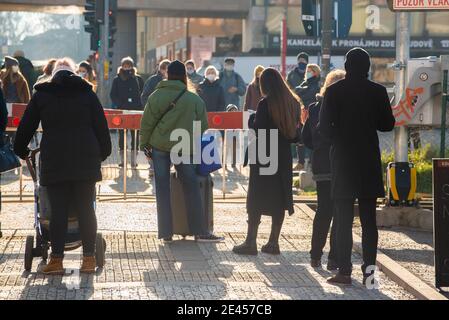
<point>8,160</point>
<point>204,169</point>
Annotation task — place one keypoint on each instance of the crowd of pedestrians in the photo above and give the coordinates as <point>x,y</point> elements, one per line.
<point>335,125</point>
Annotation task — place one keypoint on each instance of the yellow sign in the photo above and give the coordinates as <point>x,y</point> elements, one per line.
<point>106,70</point>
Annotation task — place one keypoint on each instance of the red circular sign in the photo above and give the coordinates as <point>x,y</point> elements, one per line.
<point>217,120</point>
<point>116,121</point>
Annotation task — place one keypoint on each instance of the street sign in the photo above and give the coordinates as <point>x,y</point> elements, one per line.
<point>441,221</point>
<point>342,18</point>
<point>418,5</point>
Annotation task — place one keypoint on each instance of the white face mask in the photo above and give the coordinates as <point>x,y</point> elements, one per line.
<point>211,77</point>
<point>15,69</point>
<point>82,74</point>
<point>229,67</point>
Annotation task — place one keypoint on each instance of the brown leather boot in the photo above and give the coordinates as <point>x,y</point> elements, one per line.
<point>54,267</point>
<point>89,265</point>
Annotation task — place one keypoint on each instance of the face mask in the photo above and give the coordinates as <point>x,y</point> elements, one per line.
<point>302,66</point>
<point>211,77</point>
<point>190,71</point>
<point>127,71</point>
<point>309,75</point>
<point>15,69</point>
<point>82,74</point>
<point>229,68</point>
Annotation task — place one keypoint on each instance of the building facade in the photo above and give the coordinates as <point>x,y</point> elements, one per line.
<point>373,27</point>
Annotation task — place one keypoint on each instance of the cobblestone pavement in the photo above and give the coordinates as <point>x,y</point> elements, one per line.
<point>411,248</point>
<point>138,266</point>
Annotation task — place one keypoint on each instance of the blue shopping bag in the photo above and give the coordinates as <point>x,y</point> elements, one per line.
<point>210,157</point>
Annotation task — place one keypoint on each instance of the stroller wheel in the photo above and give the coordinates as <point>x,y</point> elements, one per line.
<point>29,244</point>
<point>99,250</point>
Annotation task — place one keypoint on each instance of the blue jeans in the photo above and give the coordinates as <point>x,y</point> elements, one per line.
<point>190,185</point>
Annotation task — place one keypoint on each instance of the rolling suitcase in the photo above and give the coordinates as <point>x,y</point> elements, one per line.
<point>178,204</point>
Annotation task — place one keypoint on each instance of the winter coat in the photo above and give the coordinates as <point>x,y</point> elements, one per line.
<point>150,86</point>
<point>212,95</point>
<point>253,97</point>
<point>233,79</point>
<point>308,90</point>
<point>320,146</point>
<point>3,116</point>
<point>156,127</point>
<point>196,79</point>
<point>27,69</point>
<point>23,92</point>
<point>295,78</point>
<point>75,136</point>
<point>126,90</point>
<point>270,194</point>
<point>353,110</point>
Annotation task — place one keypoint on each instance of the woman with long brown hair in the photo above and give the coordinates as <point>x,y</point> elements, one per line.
<point>271,193</point>
<point>15,86</point>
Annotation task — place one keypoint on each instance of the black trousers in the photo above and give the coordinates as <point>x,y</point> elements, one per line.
<point>134,139</point>
<point>322,221</point>
<point>345,218</point>
<point>82,196</point>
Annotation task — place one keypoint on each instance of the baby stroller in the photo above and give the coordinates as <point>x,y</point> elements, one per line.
<point>42,214</point>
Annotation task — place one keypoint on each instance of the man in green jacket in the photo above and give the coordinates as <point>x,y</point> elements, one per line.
<point>172,107</point>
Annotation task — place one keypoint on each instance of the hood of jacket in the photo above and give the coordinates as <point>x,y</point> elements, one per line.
<point>122,74</point>
<point>64,81</point>
<point>357,63</point>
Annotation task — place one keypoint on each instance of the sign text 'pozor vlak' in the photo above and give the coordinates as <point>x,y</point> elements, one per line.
<point>418,5</point>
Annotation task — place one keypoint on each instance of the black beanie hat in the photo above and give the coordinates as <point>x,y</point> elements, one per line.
<point>176,68</point>
<point>303,55</point>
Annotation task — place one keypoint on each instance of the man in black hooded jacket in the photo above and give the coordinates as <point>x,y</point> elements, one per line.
<point>353,110</point>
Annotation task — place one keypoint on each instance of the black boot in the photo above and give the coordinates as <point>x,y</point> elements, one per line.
<point>272,247</point>
<point>249,247</point>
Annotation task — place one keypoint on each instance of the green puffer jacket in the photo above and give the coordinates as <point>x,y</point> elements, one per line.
<point>155,132</point>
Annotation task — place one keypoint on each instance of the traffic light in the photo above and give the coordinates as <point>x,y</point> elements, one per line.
<point>113,9</point>
<point>94,16</point>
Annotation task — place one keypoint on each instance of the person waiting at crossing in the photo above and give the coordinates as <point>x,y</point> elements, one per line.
<point>126,95</point>
<point>211,92</point>
<point>271,193</point>
<point>75,141</point>
<point>169,108</point>
<point>321,169</point>
<point>353,110</point>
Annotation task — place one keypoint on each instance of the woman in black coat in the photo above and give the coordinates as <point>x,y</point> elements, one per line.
<point>211,92</point>
<point>75,141</point>
<point>353,110</point>
<point>270,183</point>
<point>321,169</point>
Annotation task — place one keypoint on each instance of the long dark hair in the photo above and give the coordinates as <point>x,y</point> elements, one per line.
<point>283,104</point>
<point>184,80</point>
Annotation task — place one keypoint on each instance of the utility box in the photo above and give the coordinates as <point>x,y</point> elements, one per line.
<point>421,103</point>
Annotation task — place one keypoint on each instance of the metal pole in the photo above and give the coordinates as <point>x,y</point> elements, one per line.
<point>125,160</point>
<point>284,43</point>
<point>21,183</point>
<point>402,56</point>
<point>326,36</point>
<point>444,99</point>
<point>225,162</point>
